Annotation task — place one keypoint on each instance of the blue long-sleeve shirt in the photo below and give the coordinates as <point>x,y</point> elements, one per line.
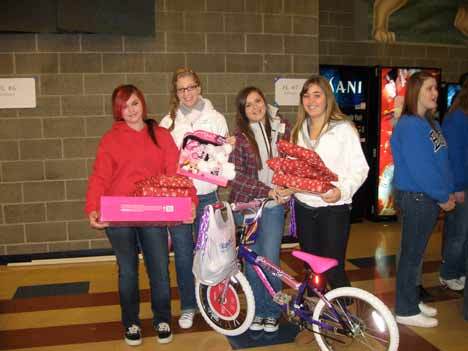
<point>455,129</point>
<point>420,157</point>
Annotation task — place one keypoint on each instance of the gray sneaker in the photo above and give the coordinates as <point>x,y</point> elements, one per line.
<point>270,325</point>
<point>453,284</point>
<point>257,324</point>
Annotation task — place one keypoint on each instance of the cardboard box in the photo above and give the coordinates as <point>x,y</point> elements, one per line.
<point>139,211</point>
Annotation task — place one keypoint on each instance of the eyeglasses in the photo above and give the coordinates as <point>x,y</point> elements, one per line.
<point>189,89</point>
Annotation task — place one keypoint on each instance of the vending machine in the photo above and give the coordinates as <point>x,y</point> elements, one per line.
<point>448,93</point>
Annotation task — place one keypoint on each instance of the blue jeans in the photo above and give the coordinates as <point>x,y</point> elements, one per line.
<point>203,200</point>
<point>267,244</point>
<point>418,218</point>
<point>455,236</point>
<point>182,243</point>
<point>465,293</point>
<point>125,242</point>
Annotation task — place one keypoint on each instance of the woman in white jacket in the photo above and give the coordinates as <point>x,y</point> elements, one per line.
<point>189,111</point>
<point>323,220</point>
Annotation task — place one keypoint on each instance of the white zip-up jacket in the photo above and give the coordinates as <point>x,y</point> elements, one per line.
<point>341,151</point>
<point>209,120</point>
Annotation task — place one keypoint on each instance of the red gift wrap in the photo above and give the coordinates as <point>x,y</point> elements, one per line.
<point>305,171</point>
<point>306,184</point>
<point>310,156</point>
<point>164,186</point>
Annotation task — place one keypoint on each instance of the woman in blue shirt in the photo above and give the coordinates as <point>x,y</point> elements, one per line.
<point>455,128</point>
<point>423,184</point>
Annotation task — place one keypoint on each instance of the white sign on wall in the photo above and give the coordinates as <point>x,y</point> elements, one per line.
<point>287,91</point>
<point>17,93</point>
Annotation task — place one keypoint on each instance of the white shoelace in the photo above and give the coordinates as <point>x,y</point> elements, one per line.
<point>187,316</point>
<point>134,329</point>
<point>164,327</point>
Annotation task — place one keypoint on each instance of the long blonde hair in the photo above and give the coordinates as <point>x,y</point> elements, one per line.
<point>174,101</point>
<point>332,110</point>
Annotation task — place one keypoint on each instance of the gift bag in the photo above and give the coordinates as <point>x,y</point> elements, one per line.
<point>215,253</point>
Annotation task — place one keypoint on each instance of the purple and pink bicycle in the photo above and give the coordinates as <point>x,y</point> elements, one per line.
<point>343,318</point>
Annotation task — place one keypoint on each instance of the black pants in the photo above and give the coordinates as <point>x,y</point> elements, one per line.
<point>324,231</point>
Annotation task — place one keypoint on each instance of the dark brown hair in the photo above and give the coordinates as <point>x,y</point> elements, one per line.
<point>243,123</point>
<point>415,83</point>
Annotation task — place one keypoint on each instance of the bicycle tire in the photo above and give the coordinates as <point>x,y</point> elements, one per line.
<point>233,316</point>
<point>382,318</point>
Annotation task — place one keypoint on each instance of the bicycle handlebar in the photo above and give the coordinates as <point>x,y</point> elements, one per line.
<point>241,206</point>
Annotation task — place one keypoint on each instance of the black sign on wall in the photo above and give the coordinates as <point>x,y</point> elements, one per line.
<point>78,16</point>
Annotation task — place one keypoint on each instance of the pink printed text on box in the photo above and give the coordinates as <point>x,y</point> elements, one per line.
<point>129,209</point>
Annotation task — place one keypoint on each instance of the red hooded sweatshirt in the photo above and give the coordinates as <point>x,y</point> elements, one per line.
<point>125,156</point>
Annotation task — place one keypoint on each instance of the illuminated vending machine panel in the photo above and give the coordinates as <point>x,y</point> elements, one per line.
<point>448,93</point>
<point>392,89</point>
<point>351,87</point>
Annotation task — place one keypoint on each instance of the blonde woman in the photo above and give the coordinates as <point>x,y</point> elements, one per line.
<point>323,220</point>
<point>190,111</point>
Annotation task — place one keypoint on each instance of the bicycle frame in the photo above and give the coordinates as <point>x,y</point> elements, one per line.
<point>327,313</point>
<point>261,264</point>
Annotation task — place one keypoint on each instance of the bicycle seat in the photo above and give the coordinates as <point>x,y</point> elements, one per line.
<point>317,263</point>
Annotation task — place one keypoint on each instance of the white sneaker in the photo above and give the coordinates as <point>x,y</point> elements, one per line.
<point>186,319</point>
<point>452,284</point>
<point>270,324</point>
<point>418,320</point>
<point>257,324</point>
<point>427,310</point>
<point>462,280</point>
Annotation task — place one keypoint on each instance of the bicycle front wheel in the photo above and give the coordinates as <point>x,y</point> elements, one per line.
<point>230,313</point>
<point>370,323</point>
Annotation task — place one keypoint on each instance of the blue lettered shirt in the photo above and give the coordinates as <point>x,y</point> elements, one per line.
<point>455,129</point>
<point>420,157</point>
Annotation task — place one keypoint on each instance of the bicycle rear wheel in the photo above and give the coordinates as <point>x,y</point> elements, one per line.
<point>229,315</point>
<point>371,324</point>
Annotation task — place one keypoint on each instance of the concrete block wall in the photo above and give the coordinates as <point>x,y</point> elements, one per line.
<point>339,46</point>
<point>46,153</point>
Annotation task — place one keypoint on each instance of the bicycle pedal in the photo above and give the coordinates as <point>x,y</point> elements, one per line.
<point>281,298</point>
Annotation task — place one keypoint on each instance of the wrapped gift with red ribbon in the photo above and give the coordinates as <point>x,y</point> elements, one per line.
<point>164,186</point>
<point>301,168</point>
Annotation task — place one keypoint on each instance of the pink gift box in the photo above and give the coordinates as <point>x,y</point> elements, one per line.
<point>135,211</point>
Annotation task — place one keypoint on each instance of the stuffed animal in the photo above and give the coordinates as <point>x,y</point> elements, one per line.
<point>205,159</point>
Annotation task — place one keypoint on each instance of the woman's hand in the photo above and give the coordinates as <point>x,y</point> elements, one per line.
<point>331,196</point>
<point>279,195</point>
<point>231,140</point>
<point>94,221</point>
<point>459,197</point>
<point>449,205</point>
